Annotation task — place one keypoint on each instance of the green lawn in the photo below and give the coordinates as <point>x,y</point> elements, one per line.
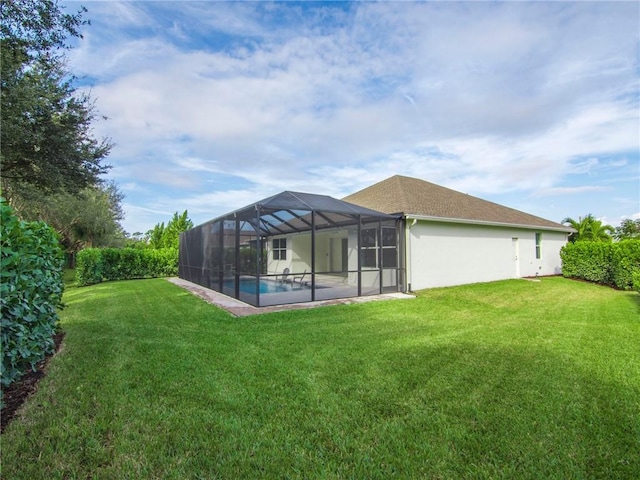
<point>511,380</point>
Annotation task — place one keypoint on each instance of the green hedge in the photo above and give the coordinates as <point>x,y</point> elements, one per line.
<point>625,262</point>
<point>636,280</point>
<point>95,265</point>
<point>31,287</point>
<point>612,264</point>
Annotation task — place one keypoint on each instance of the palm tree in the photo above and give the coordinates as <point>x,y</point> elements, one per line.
<point>588,228</point>
<point>600,232</point>
<point>580,227</point>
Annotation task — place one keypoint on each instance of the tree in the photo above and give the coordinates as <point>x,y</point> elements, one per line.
<point>89,218</point>
<point>179,223</point>
<point>588,228</point>
<point>168,237</point>
<point>628,229</point>
<point>98,225</point>
<point>46,135</point>
<point>156,235</point>
<point>137,240</point>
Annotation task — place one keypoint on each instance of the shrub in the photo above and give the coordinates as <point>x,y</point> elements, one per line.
<point>89,266</point>
<point>95,265</point>
<point>625,259</point>
<point>606,263</point>
<point>30,292</point>
<point>636,279</point>
<point>587,260</point>
<point>163,262</point>
<point>110,264</point>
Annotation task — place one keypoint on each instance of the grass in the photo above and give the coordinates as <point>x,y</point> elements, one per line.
<point>510,379</point>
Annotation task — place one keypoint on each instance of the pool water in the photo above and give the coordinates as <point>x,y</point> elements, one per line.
<point>248,285</point>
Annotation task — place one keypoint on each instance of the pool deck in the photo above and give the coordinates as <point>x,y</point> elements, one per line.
<point>241,309</point>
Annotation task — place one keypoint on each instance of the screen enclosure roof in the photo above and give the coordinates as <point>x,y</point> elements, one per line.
<point>291,212</point>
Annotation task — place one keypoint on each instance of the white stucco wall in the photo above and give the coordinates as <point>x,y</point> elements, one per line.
<point>328,252</point>
<point>442,254</point>
<point>278,266</point>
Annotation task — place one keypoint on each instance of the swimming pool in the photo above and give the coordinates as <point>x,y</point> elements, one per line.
<point>248,285</point>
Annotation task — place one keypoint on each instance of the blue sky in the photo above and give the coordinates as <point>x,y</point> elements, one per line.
<point>214,105</point>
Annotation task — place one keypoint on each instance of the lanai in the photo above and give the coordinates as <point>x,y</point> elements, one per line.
<point>295,247</point>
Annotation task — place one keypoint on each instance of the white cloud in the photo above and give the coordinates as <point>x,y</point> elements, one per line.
<point>485,98</point>
<point>554,191</point>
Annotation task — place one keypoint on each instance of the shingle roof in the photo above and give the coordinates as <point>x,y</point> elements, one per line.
<point>415,197</point>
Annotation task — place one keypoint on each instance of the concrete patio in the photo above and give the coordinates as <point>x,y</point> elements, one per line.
<point>241,309</point>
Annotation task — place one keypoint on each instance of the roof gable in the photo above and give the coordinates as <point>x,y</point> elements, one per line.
<point>415,197</point>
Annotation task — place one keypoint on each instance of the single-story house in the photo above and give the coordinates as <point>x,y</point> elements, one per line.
<point>453,238</point>
<point>398,235</point>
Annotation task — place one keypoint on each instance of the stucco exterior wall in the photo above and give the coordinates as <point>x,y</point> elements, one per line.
<point>328,252</point>
<point>443,254</point>
<point>277,266</point>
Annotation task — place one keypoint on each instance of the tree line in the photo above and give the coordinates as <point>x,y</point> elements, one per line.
<point>52,188</point>
<point>52,166</point>
<point>588,228</point>
<point>161,236</point>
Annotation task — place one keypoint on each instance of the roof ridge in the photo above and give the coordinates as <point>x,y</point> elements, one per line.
<point>402,192</point>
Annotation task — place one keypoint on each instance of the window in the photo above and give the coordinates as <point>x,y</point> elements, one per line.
<point>369,247</point>
<point>538,245</point>
<point>389,240</point>
<point>279,248</point>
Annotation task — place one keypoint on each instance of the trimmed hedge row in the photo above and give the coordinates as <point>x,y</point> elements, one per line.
<point>636,281</point>
<point>95,265</point>
<point>31,286</point>
<point>614,264</point>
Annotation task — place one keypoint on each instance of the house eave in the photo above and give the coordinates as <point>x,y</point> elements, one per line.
<point>429,218</point>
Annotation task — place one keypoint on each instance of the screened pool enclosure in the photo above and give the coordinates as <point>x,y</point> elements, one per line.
<point>295,247</point>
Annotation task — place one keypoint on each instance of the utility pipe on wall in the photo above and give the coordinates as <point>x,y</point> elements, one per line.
<point>407,254</point>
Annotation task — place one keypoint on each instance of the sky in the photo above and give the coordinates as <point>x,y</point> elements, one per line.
<point>212,106</point>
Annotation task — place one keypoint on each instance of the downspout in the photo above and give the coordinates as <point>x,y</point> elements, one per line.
<point>407,253</point>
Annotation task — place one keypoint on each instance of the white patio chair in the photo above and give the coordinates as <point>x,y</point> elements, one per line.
<point>299,279</point>
<point>283,277</point>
